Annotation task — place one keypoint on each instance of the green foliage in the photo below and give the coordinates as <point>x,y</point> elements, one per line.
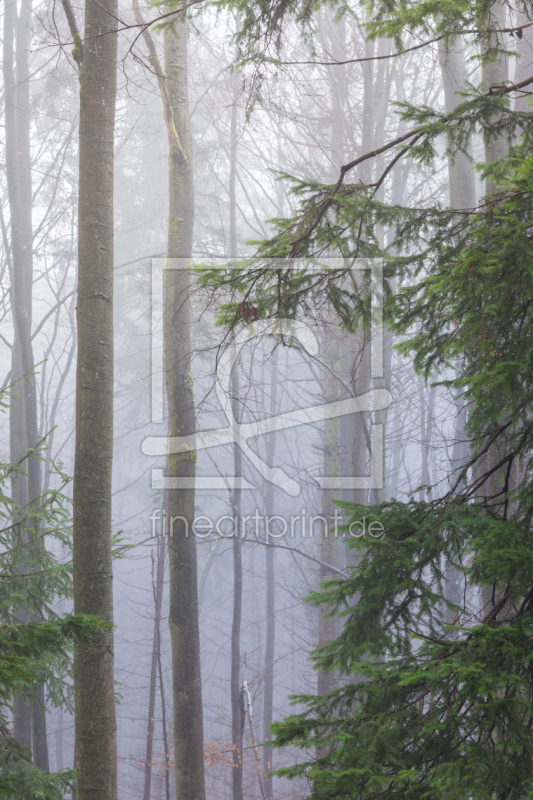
<point>32,579</point>
<point>427,709</point>
<point>20,779</point>
<point>435,697</point>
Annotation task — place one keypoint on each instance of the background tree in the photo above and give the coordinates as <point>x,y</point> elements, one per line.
<point>94,685</point>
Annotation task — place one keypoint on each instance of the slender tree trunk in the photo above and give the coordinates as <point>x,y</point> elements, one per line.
<point>183,589</point>
<point>426,429</point>
<point>460,171</point>
<point>94,688</point>
<point>39,737</point>
<point>462,196</point>
<point>270,643</point>
<point>183,569</point>
<point>60,733</point>
<point>327,626</point>
<point>26,489</point>
<point>254,741</point>
<point>162,693</point>
<point>157,587</point>
<point>233,168</point>
<point>237,696</point>
<point>495,73</point>
<point>524,64</point>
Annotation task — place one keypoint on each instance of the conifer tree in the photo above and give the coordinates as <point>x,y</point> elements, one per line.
<point>443,710</point>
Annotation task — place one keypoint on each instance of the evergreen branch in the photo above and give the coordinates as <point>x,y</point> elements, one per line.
<point>415,134</point>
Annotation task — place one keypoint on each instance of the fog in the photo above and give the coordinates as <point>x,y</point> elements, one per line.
<point>298,115</point>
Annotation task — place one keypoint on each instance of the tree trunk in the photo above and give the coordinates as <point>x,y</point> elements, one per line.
<point>160,577</point>
<point>427,404</point>
<point>94,688</point>
<point>524,64</point>
<point>462,196</point>
<point>183,569</point>
<point>157,587</point>
<point>237,696</point>
<point>233,168</point>
<point>327,626</point>
<point>495,73</point>
<point>183,614</point>
<point>460,171</point>
<point>26,489</point>
<point>270,643</point>
<point>39,737</point>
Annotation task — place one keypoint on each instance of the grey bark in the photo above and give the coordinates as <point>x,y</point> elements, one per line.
<point>460,173</point>
<point>524,66</point>
<point>26,489</point>
<point>462,191</point>
<point>233,168</point>
<point>94,689</point>
<point>157,588</point>
<point>237,695</point>
<point>270,642</point>
<point>327,626</point>
<point>495,73</point>
<point>38,726</point>
<point>183,581</point>
<point>427,404</point>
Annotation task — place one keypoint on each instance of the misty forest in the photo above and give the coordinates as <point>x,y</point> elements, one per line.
<point>266,404</point>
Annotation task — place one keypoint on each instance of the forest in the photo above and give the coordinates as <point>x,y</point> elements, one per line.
<point>266,402</point>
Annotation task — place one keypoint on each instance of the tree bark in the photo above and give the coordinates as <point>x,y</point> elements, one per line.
<point>495,74</point>
<point>270,643</point>
<point>39,737</point>
<point>183,569</point>
<point>233,168</point>
<point>237,696</point>
<point>163,717</point>
<point>157,586</point>
<point>460,171</point>
<point>26,489</point>
<point>94,689</point>
<point>183,614</point>
<point>327,626</point>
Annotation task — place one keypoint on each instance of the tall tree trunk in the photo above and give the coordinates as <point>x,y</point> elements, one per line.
<point>327,626</point>
<point>237,696</point>
<point>270,643</point>
<point>427,404</point>
<point>94,689</point>
<point>524,64</point>
<point>495,73</point>
<point>462,190</point>
<point>183,568</point>
<point>460,171</point>
<point>162,690</point>
<point>183,614</point>
<point>157,588</point>
<point>38,729</point>
<point>26,489</point>
<point>233,168</point>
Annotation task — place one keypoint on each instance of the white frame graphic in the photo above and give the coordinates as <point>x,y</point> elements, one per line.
<point>373,400</point>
